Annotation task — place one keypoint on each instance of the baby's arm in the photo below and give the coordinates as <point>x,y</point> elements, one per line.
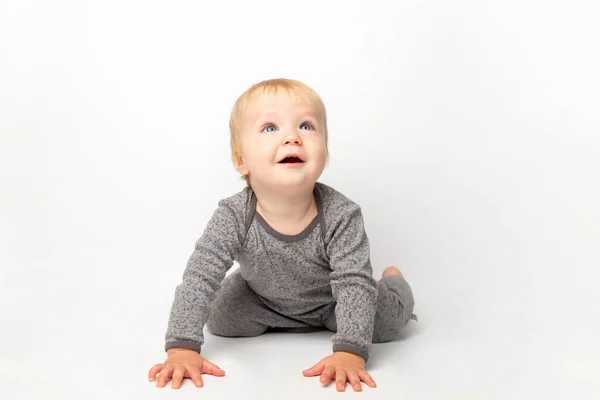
<point>213,255</point>
<point>206,268</point>
<point>355,292</point>
<point>352,283</point>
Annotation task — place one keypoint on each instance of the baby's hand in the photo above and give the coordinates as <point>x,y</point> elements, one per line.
<point>342,367</point>
<point>183,363</point>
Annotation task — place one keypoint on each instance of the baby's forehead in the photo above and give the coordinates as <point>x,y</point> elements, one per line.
<point>264,98</point>
<point>277,103</point>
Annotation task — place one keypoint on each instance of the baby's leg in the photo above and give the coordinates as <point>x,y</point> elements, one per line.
<point>394,306</point>
<point>238,311</point>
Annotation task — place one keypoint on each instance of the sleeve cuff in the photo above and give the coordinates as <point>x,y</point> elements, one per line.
<point>348,348</point>
<point>183,344</point>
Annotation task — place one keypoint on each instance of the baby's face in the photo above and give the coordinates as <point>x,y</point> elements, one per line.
<point>283,145</point>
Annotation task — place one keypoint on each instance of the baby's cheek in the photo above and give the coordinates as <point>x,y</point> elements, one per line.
<point>321,154</point>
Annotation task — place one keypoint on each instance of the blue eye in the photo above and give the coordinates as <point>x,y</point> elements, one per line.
<point>269,128</point>
<point>306,127</point>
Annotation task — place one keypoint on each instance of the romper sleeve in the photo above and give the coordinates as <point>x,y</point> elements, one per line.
<point>212,257</point>
<point>352,282</point>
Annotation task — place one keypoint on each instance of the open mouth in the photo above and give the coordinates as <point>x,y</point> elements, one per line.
<point>290,160</point>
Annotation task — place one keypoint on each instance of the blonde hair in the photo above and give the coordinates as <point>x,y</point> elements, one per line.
<point>271,86</point>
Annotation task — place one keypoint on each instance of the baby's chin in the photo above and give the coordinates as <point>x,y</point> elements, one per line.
<point>291,182</point>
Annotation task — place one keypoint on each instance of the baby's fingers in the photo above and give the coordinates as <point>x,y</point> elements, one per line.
<point>354,380</point>
<point>155,370</point>
<point>327,375</point>
<point>315,370</point>
<point>195,375</point>
<point>212,369</point>
<point>340,380</point>
<point>164,375</point>
<point>366,378</point>
<point>178,375</point>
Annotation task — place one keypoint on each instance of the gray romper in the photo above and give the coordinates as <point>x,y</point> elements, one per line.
<point>318,279</point>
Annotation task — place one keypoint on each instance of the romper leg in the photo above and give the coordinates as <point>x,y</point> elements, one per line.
<point>395,305</point>
<point>237,311</point>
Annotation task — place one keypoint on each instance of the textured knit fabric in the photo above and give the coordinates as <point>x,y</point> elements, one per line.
<point>303,278</point>
<point>238,311</point>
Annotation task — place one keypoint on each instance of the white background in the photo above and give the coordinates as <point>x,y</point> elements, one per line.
<point>468,131</point>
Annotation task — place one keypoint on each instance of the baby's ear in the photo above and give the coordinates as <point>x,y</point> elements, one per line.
<point>240,165</point>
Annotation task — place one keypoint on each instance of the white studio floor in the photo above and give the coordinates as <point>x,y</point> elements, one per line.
<point>84,342</point>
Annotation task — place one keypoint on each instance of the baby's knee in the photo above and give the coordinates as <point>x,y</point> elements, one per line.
<point>390,331</point>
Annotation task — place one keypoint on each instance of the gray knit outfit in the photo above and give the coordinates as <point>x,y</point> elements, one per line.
<point>318,279</point>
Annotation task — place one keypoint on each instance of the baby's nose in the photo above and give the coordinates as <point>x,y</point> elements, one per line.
<point>292,139</point>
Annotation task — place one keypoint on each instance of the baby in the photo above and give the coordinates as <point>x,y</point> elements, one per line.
<point>301,246</point>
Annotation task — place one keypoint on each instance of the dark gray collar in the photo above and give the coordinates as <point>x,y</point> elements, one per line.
<point>319,219</point>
